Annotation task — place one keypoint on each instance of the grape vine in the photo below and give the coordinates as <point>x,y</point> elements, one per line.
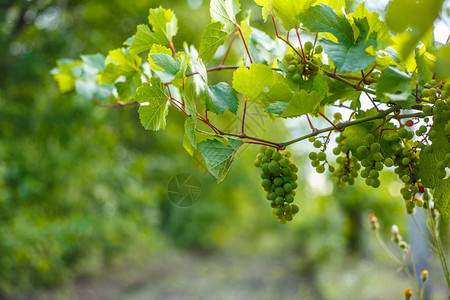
<point>352,60</point>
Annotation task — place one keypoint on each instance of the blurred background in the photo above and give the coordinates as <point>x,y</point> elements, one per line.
<point>84,208</point>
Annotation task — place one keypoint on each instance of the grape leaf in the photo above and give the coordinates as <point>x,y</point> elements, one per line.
<point>417,15</point>
<point>164,27</point>
<point>219,157</point>
<point>261,84</point>
<point>157,48</point>
<point>322,18</point>
<point>302,103</point>
<point>63,75</point>
<point>153,108</point>
<point>354,136</point>
<point>169,68</point>
<point>119,62</point>
<point>442,198</point>
<point>126,90</point>
<point>286,10</point>
<point>189,140</point>
<point>428,161</point>
<point>277,107</point>
<point>395,85</point>
<point>213,37</point>
<point>220,97</point>
<point>225,11</point>
<point>443,61</point>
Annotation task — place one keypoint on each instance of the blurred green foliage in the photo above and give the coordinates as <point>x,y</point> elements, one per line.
<point>82,185</point>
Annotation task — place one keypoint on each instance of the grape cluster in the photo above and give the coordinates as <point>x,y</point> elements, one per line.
<point>279,180</point>
<point>348,167</point>
<point>371,160</point>
<point>295,65</point>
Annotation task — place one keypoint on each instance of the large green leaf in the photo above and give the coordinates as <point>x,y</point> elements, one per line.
<point>119,62</point>
<point>442,198</point>
<point>428,171</point>
<point>443,62</point>
<point>126,90</point>
<point>302,103</point>
<point>220,97</point>
<point>169,68</point>
<point>417,15</point>
<point>212,38</point>
<point>225,11</point>
<point>286,10</point>
<point>395,85</point>
<point>153,108</point>
<point>322,18</point>
<point>164,27</point>
<point>261,84</point>
<point>218,156</point>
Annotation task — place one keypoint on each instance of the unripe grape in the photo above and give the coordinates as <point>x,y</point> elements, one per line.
<point>362,151</point>
<point>273,167</point>
<point>318,49</point>
<point>287,208</point>
<point>402,132</point>
<point>279,191</point>
<point>292,68</point>
<point>266,183</point>
<point>317,144</point>
<point>294,185</point>
<point>286,179</point>
<point>279,200</point>
<point>322,156</point>
<point>375,183</point>
<point>312,155</point>
<point>379,166</point>
<point>294,208</point>
<point>278,181</point>
<point>276,156</point>
<point>388,162</point>
<point>286,171</point>
<point>374,174</point>
<point>336,151</point>
<point>284,162</point>
<point>320,169</point>
<point>374,148</point>
<point>289,198</point>
<point>287,187</point>
<point>414,189</point>
<point>278,211</point>
<point>257,163</point>
<point>288,216</point>
<point>369,138</point>
<point>405,178</point>
<point>331,169</point>
<point>289,57</point>
<point>308,46</point>
<point>269,152</point>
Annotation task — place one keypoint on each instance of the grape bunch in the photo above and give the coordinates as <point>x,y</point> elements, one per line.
<point>348,167</point>
<point>295,65</point>
<point>279,180</point>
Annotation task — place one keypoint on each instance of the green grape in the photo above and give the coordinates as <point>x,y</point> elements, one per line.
<point>286,171</point>
<point>379,166</point>
<point>265,175</point>
<point>288,217</point>
<point>337,116</point>
<point>318,49</point>
<point>414,189</point>
<point>377,156</point>
<point>266,183</point>
<point>331,169</point>
<point>292,68</point>
<point>294,209</point>
<point>286,179</point>
<point>278,211</point>
<point>402,132</point>
<point>294,185</point>
<point>279,191</point>
<point>284,162</point>
<point>317,144</point>
<point>320,169</point>
<point>365,162</point>
<point>278,181</point>
<point>322,156</point>
<point>374,148</point>
<point>447,87</point>
<point>311,139</point>
<point>265,168</point>
<point>376,182</point>
<point>312,155</point>
<point>373,174</point>
<point>289,198</point>
<point>269,152</point>
<point>362,151</point>
<point>405,161</point>
<point>308,46</point>
<point>257,163</point>
<point>274,167</point>
<point>276,156</point>
<point>296,77</point>
<point>336,151</point>
<point>279,200</point>
<point>405,178</point>
<point>388,162</point>
<point>287,187</point>
<point>272,196</point>
<point>432,92</point>
<point>288,57</point>
<point>365,173</point>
